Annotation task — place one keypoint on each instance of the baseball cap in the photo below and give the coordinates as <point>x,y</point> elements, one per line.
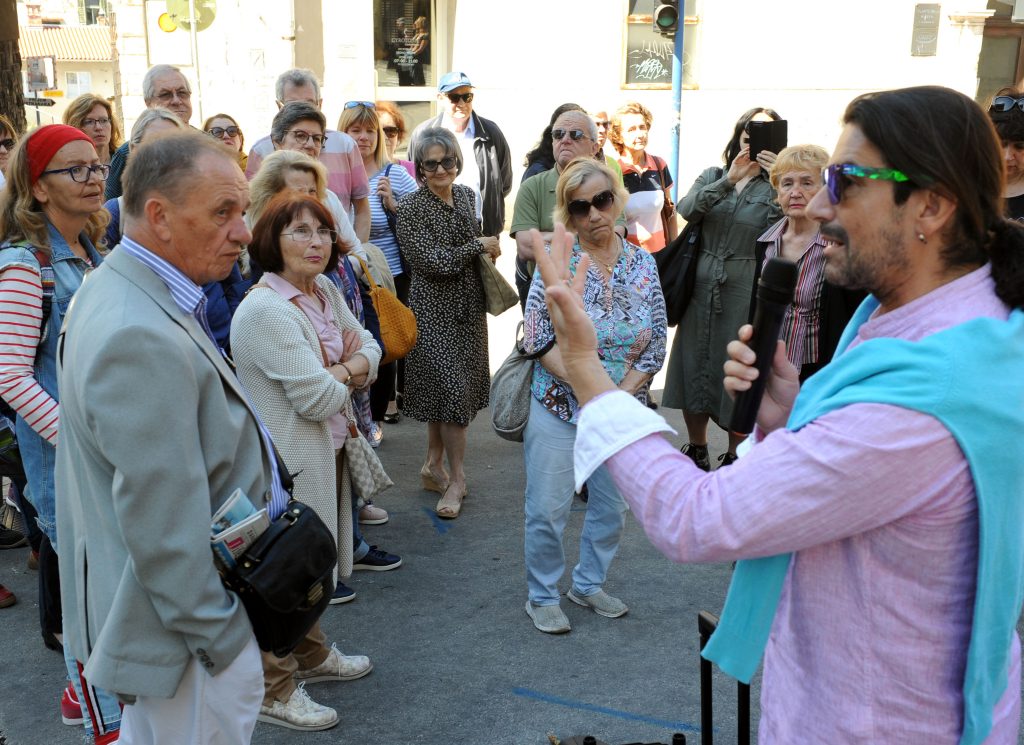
<point>452,80</point>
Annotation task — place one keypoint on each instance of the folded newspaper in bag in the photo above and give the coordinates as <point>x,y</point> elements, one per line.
<point>235,527</point>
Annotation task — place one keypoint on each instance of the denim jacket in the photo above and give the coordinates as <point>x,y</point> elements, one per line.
<point>36,453</point>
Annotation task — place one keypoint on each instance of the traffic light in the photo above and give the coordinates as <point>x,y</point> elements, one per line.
<point>666,18</point>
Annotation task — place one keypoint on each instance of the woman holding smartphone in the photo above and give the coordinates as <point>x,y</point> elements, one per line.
<point>734,205</point>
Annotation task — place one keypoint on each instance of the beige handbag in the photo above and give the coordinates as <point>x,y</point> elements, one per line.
<point>365,471</point>
<point>499,295</point>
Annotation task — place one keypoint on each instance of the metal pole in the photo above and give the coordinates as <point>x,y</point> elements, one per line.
<point>195,57</point>
<point>677,100</point>
<point>37,115</point>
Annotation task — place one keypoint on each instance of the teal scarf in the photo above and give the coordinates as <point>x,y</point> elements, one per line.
<point>971,378</point>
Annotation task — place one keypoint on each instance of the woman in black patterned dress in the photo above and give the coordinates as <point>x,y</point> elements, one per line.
<point>447,378</point>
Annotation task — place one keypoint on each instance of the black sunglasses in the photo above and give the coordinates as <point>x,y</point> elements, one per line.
<point>456,97</point>
<point>581,207</point>
<point>7,144</point>
<point>431,165</point>
<point>219,132</point>
<point>391,131</point>
<point>1006,103</point>
<point>574,134</point>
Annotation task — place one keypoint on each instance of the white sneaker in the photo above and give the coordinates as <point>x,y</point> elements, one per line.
<point>299,712</point>
<point>337,666</point>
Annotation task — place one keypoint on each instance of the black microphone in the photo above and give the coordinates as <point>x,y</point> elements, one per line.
<point>774,294</point>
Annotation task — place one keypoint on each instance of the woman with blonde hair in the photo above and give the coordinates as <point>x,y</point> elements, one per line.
<point>93,115</point>
<point>226,131</point>
<point>388,184</point>
<point>622,296</point>
<point>646,178</point>
<point>814,321</point>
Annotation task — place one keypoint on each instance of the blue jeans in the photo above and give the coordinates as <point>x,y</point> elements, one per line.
<point>549,489</point>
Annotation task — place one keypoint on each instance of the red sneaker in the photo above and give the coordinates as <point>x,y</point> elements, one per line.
<point>70,709</point>
<point>7,597</point>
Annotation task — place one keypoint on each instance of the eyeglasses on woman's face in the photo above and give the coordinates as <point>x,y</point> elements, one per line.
<point>80,174</point>
<point>302,137</point>
<point>304,234</point>
<point>390,132</point>
<point>219,132</point>
<point>98,122</point>
<point>602,201</point>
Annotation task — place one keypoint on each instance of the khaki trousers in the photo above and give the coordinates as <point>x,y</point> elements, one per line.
<point>278,683</point>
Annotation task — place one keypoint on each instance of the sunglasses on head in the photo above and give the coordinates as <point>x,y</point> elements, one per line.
<point>364,104</point>
<point>431,165</point>
<point>1006,103</point>
<point>456,97</point>
<point>581,207</point>
<point>574,134</point>
<point>836,176</point>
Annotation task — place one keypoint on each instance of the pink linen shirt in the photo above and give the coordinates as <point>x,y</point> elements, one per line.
<point>322,318</point>
<point>869,641</point>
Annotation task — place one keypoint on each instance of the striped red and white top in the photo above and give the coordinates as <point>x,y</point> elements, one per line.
<point>21,315</point>
<point>802,321</point>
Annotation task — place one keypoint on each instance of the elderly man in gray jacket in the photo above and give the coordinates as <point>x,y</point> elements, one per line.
<point>155,434</point>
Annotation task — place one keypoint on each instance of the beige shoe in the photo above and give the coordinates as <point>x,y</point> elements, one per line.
<point>299,712</point>
<point>337,666</point>
<point>371,514</point>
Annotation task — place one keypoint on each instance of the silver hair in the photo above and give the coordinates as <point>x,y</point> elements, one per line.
<point>436,136</point>
<point>148,85</point>
<point>589,126</point>
<point>297,76</point>
<point>146,118</point>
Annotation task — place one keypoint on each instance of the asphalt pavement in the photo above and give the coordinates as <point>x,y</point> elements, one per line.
<point>456,659</point>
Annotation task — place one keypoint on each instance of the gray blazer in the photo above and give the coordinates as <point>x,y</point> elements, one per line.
<point>155,433</point>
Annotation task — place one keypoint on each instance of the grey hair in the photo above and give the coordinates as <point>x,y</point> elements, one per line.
<point>297,76</point>
<point>168,166</point>
<point>431,136</point>
<point>146,118</point>
<point>292,112</point>
<point>589,127</point>
<point>148,85</point>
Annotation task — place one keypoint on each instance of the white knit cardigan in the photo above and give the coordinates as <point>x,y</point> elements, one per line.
<point>277,354</point>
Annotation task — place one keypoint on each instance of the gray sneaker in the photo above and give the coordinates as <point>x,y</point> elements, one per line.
<point>601,602</point>
<point>548,618</point>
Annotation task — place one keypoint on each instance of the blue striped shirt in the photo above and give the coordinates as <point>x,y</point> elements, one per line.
<point>380,234</point>
<point>189,297</point>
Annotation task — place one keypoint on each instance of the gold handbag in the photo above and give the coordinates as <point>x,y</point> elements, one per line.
<point>397,321</point>
<point>499,295</point>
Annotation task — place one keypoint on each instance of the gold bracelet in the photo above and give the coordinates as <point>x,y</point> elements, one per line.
<point>349,378</point>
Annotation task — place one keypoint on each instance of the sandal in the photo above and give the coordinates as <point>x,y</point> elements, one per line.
<point>430,482</point>
<point>393,417</point>
<point>449,509</point>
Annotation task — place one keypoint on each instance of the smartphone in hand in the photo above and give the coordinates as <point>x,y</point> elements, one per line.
<point>770,136</point>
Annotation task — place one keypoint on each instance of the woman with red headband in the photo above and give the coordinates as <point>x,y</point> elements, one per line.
<point>51,217</point>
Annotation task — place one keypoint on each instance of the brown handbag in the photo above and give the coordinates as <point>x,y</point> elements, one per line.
<point>397,321</point>
<point>668,209</point>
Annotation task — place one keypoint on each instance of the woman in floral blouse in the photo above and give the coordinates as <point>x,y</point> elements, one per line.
<point>623,297</point>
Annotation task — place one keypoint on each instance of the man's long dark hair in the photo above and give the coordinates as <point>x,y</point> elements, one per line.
<point>944,141</point>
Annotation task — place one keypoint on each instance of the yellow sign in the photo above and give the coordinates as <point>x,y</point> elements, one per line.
<point>53,94</point>
<point>166,23</point>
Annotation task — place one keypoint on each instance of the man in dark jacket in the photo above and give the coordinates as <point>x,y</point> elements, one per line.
<point>488,167</point>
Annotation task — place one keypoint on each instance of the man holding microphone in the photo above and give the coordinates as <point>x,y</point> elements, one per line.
<point>878,510</point>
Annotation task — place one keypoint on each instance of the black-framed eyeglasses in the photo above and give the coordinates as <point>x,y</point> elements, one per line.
<point>574,134</point>
<point>364,104</point>
<point>168,96</point>
<point>304,234</point>
<point>219,132</point>
<point>456,97</point>
<point>80,174</point>
<point>837,177</point>
<point>7,144</point>
<point>391,131</point>
<point>302,137</point>
<point>431,165</point>
<point>601,202</point>
<point>101,122</point>
<point>1006,103</point>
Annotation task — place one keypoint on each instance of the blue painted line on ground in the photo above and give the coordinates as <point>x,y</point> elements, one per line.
<point>582,706</point>
<point>441,526</point>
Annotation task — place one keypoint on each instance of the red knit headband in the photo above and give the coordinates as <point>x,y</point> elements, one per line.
<point>44,143</point>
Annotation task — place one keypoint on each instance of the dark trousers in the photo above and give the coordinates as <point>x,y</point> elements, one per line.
<point>391,377</point>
